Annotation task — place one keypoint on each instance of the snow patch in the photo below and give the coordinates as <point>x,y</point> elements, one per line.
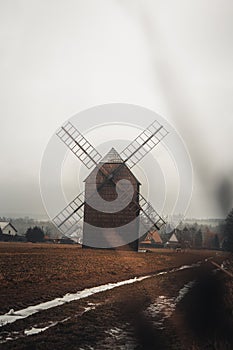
<point>13,316</point>
<point>164,307</point>
<point>34,330</point>
<point>10,318</point>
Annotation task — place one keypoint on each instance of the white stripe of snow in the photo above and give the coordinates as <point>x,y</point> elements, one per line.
<point>13,316</point>
<point>34,330</point>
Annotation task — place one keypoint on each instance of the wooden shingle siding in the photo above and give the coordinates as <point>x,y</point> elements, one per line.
<point>115,220</point>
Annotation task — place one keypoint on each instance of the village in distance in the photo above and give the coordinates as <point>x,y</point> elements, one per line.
<point>189,233</point>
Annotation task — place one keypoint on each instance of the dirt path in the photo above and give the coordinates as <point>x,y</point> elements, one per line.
<point>33,273</point>
<point>174,310</point>
<point>113,318</point>
<point>151,314</point>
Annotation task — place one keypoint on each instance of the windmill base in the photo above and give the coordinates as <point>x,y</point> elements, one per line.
<point>111,238</point>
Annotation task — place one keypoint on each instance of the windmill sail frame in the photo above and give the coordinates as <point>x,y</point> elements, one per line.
<point>72,214</point>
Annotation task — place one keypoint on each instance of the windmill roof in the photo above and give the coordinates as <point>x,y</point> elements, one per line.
<point>112,157</point>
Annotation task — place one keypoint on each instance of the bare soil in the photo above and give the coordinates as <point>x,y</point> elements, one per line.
<point>31,273</point>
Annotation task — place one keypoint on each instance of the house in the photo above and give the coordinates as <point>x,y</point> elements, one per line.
<point>152,240</point>
<point>7,228</point>
<point>172,242</point>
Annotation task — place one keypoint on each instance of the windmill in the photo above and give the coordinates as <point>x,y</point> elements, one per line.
<point>113,211</point>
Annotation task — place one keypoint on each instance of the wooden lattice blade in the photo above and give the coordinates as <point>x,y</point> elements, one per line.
<point>143,144</point>
<point>79,145</point>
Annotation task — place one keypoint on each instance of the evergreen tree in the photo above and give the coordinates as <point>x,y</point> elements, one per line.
<point>216,244</point>
<point>198,239</point>
<point>35,234</point>
<point>228,232</point>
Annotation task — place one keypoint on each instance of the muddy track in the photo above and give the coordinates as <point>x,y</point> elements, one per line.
<point>152,313</point>
<point>33,273</point>
<point>149,313</point>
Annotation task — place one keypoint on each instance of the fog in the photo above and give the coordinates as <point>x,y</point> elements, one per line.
<point>61,57</point>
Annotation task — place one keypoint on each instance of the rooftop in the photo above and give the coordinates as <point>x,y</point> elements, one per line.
<point>4,224</point>
<point>112,157</point>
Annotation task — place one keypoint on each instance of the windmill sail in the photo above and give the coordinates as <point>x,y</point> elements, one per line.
<point>69,217</point>
<point>149,216</point>
<point>144,143</point>
<point>72,214</point>
<point>79,145</point>
<point>137,149</point>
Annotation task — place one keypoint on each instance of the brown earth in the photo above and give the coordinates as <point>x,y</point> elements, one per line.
<point>31,273</point>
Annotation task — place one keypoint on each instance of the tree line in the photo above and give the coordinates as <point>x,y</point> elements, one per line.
<point>33,234</point>
<point>191,236</point>
<point>227,230</point>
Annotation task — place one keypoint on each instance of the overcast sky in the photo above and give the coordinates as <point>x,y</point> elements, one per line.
<point>59,57</point>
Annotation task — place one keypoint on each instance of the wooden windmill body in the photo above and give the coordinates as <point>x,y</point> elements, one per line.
<point>111,223</point>
<point>121,227</point>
